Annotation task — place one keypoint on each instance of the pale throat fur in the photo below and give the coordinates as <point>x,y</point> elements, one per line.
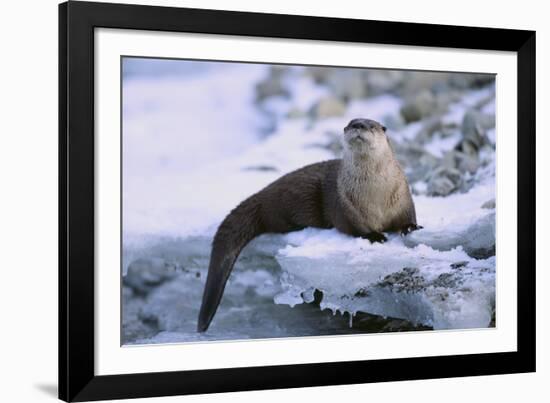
<point>374,185</point>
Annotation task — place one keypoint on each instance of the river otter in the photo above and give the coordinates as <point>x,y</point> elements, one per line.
<point>362,194</point>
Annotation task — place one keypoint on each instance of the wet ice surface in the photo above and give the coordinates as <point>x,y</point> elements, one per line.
<point>177,189</point>
<point>166,310</point>
<point>426,278</point>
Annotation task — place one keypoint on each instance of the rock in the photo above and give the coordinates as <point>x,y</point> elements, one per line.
<point>347,84</point>
<point>420,106</point>
<point>472,125</point>
<point>132,326</point>
<point>444,181</point>
<point>328,107</point>
<point>430,126</point>
<point>474,130</point>
<point>174,303</point>
<point>127,292</point>
<point>394,122</point>
<point>489,204</point>
<point>462,263</point>
<point>449,160</point>
<point>378,324</point>
<point>319,74</point>
<point>145,274</point>
<point>408,279</point>
<point>383,81</point>
<point>447,97</point>
<point>414,157</point>
<point>469,80</point>
<point>486,120</point>
<point>440,187</point>
<point>272,85</point>
<point>417,81</point>
<point>487,102</point>
<point>270,88</point>
<point>401,325</point>
<point>466,162</point>
<point>468,147</point>
<point>295,113</point>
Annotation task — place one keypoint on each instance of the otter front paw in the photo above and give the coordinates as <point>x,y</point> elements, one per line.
<point>376,237</point>
<point>410,228</point>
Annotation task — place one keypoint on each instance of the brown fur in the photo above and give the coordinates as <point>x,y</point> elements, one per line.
<point>363,194</point>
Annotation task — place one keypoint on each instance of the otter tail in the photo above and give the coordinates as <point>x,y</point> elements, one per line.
<point>235,232</point>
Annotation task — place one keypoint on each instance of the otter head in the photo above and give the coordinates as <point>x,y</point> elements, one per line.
<point>365,137</point>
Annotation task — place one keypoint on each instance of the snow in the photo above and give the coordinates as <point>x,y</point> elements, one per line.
<point>175,131</point>
<point>376,108</point>
<point>491,134</point>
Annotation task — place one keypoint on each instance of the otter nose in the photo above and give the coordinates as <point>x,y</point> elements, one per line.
<point>361,124</point>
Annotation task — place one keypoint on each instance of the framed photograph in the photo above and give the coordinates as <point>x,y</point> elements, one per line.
<point>258,201</point>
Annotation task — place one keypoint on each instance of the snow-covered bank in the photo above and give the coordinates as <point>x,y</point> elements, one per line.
<point>176,127</point>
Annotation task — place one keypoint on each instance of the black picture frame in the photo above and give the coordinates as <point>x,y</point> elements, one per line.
<point>77,379</point>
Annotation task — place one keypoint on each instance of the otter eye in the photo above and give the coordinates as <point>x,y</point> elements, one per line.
<point>384,129</point>
<point>357,125</point>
